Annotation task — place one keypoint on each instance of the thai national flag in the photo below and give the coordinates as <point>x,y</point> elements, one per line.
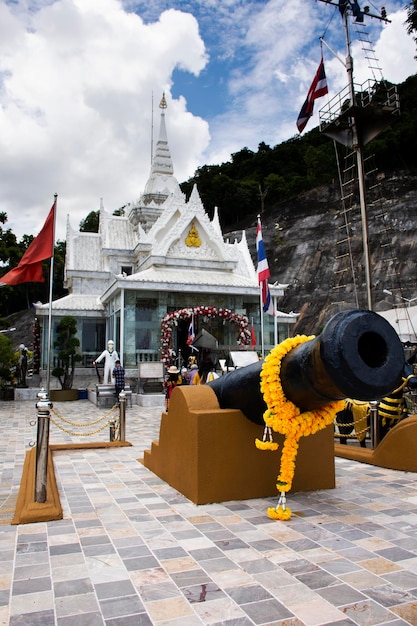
<point>318,88</point>
<point>263,272</point>
<point>191,333</point>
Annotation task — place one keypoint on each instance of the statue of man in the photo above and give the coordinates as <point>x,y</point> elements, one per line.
<point>110,357</point>
<point>23,365</point>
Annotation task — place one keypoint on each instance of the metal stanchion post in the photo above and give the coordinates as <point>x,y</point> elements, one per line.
<point>374,423</point>
<point>43,406</point>
<point>122,409</point>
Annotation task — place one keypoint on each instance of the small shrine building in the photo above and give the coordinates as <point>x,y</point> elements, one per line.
<point>146,275</point>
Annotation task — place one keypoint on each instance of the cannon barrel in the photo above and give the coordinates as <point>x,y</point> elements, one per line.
<point>357,355</point>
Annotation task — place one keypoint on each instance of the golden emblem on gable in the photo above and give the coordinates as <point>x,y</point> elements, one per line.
<point>192,240</point>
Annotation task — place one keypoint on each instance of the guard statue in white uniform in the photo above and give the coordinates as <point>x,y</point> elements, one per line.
<point>110,355</point>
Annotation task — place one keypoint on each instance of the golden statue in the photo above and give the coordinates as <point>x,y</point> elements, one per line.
<point>193,240</point>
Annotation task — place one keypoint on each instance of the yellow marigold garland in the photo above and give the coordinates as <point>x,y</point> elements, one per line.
<point>266,445</point>
<point>284,417</point>
<point>267,442</point>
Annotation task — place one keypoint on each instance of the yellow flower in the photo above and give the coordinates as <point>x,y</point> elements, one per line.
<point>266,445</point>
<point>284,417</point>
<point>279,513</point>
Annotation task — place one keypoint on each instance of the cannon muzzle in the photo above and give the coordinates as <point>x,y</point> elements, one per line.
<point>358,355</point>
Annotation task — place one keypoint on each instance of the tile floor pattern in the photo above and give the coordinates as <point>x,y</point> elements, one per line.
<point>132,551</point>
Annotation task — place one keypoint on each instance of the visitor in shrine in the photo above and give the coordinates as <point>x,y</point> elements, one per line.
<point>205,373</point>
<point>173,380</point>
<point>192,373</point>
<point>185,377</point>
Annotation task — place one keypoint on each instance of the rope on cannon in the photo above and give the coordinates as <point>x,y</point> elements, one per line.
<point>351,436</point>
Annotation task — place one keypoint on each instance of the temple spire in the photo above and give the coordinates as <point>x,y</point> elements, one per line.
<point>161,182</point>
<point>162,162</point>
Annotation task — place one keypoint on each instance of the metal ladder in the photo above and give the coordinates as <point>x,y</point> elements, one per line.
<point>349,233</point>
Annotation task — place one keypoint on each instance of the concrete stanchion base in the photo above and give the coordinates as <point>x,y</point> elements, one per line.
<point>150,399</point>
<point>26,393</point>
<point>27,510</point>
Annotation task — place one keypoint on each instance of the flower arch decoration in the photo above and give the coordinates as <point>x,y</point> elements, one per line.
<point>171,319</point>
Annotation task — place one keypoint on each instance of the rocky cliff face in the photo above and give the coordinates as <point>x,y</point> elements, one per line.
<point>307,249</point>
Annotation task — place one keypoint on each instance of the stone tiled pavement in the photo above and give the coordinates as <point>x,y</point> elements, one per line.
<point>131,551</point>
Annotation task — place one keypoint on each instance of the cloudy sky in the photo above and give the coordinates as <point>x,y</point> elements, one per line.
<point>81,80</point>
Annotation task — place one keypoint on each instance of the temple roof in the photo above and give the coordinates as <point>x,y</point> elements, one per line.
<point>75,302</point>
<point>191,276</point>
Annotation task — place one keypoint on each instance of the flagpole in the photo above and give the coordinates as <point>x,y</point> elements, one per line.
<point>275,321</point>
<point>262,320</point>
<point>51,282</point>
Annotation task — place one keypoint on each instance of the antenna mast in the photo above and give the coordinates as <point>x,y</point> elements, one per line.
<point>350,119</point>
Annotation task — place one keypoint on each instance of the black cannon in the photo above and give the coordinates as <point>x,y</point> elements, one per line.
<point>358,355</point>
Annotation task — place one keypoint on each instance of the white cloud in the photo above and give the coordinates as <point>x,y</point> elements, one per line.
<point>285,52</point>
<point>77,78</point>
<point>76,106</point>
<point>396,50</point>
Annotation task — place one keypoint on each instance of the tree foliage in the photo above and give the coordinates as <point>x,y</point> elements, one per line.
<point>18,297</point>
<point>6,351</point>
<point>90,223</point>
<point>412,19</point>
<point>66,344</point>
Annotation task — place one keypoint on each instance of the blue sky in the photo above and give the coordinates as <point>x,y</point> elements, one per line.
<point>78,78</point>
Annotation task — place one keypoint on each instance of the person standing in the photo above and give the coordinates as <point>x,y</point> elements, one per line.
<point>185,378</point>
<point>193,372</point>
<point>173,380</point>
<point>212,375</point>
<point>119,378</point>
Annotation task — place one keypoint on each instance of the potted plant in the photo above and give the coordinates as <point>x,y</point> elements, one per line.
<point>7,363</point>
<point>67,344</point>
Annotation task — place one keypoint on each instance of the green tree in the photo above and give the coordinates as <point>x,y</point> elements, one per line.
<point>91,223</point>
<point>59,263</point>
<point>412,18</point>
<point>7,359</point>
<point>9,248</point>
<point>67,344</point>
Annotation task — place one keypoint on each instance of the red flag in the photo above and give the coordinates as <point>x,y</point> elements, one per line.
<point>29,269</point>
<point>318,88</point>
<point>253,336</point>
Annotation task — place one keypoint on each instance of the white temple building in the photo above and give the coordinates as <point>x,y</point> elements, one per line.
<point>145,277</point>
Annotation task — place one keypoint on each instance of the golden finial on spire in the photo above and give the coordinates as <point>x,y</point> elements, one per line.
<point>163,103</point>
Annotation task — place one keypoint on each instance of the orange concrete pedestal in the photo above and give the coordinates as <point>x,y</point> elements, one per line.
<point>209,455</point>
<point>397,450</point>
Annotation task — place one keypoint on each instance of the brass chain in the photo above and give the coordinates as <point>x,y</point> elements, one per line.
<point>83,424</point>
<point>74,434</point>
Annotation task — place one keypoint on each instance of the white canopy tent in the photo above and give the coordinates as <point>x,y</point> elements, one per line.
<point>404,320</point>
